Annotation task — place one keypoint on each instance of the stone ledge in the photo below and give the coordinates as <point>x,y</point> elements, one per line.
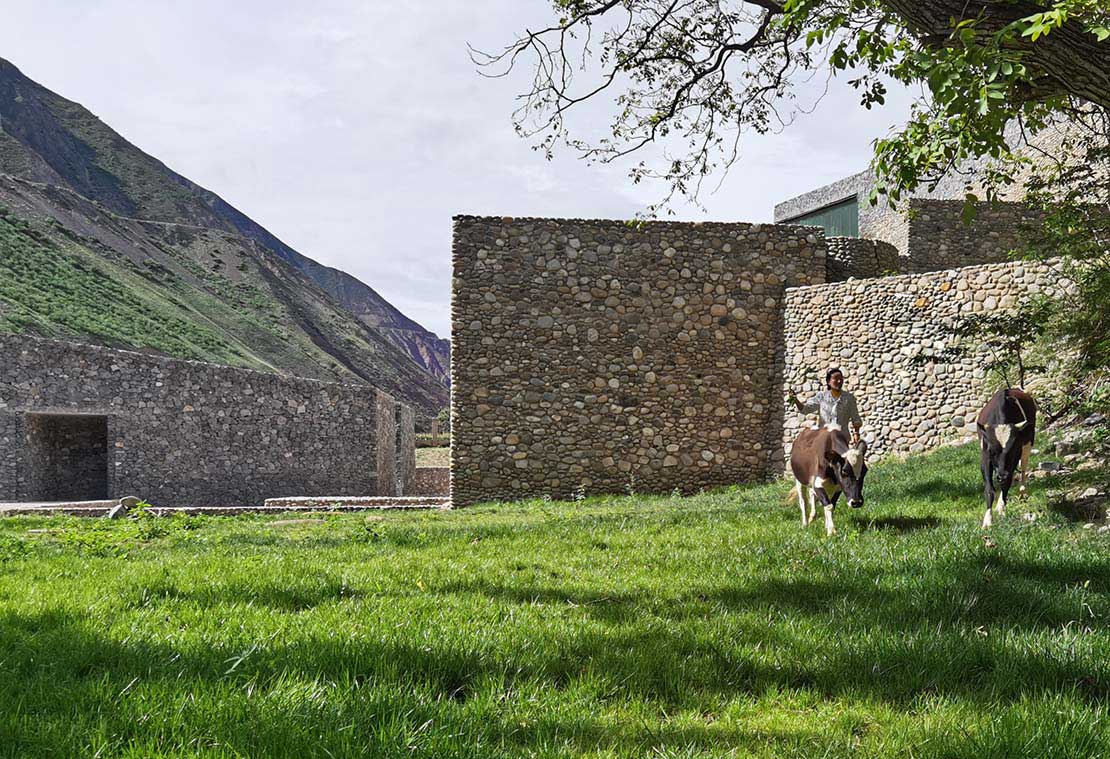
<point>272,506</point>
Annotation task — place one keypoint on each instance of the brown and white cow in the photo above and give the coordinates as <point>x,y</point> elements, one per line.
<point>1006,427</point>
<point>824,465</point>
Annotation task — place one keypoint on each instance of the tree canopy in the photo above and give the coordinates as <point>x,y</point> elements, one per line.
<point>693,75</point>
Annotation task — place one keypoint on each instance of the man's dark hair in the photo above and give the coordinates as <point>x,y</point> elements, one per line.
<point>832,370</point>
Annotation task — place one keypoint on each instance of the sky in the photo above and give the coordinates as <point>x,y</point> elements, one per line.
<point>355,130</point>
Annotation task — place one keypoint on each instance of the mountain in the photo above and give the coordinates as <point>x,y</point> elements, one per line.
<point>85,215</point>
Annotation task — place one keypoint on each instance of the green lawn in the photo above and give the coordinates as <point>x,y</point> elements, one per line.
<point>631,626</point>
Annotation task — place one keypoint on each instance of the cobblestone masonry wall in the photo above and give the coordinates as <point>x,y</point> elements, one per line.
<point>183,433</point>
<point>874,328</point>
<point>939,239</point>
<point>595,356</point>
<point>854,257</point>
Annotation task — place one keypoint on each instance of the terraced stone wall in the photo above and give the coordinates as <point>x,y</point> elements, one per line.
<point>874,328</point>
<point>184,433</point>
<point>595,356</point>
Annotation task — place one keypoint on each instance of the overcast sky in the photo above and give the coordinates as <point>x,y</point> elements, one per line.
<point>355,129</point>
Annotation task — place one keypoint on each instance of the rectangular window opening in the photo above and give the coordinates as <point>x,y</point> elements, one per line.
<point>68,457</point>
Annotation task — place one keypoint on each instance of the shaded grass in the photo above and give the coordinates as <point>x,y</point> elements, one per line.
<point>631,626</point>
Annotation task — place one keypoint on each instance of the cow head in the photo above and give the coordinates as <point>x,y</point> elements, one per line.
<point>849,471</point>
<point>999,441</point>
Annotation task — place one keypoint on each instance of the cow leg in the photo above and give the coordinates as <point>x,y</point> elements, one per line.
<point>1026,450</point>
<point>988,487</point>
<point>823,497</point>
<point>812,504</point>
<point>1003,493</point>
<point>800,489</point>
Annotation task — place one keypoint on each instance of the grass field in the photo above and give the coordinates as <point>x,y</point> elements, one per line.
<point>631,627</point>
<point>433,457</point>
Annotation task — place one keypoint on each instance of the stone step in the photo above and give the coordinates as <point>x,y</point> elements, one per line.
<point>355,503</point>
<point>271,506</point>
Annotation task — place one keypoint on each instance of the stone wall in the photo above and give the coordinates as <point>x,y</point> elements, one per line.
<point>939,238</point>
<point>927,230</point>
<point>406,448</point>
<point>596,356</point>
<point>386,444</point>
<point>183,433</point>
<point>872,329</point>
<point>855,257</point>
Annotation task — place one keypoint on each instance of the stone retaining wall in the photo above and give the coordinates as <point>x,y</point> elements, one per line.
<point>939,238</point>
<point>183,432</point>
<point>596,356</point>
<point>872,329</point>
<point>855,257</point>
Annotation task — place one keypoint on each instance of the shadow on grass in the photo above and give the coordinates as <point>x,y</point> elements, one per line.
<point>959,635</point>
<point>612,608</point>
<point>290,596</point>
<point>898,523</point>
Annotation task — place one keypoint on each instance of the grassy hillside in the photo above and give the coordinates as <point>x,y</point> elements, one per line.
<point>711,626</point>
<point>182,291</point>
<point>47,139</point>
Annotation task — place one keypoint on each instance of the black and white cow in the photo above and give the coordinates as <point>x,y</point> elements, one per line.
<point>1006,427</point>
<point>824,465</point>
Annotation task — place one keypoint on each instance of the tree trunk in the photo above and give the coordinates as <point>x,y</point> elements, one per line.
<point>1067,61</point>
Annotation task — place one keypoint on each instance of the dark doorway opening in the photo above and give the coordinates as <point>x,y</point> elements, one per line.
<point>69,457</point>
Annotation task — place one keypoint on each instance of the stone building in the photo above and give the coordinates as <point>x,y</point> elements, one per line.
<point>81,422</point>
<point>596,356</point>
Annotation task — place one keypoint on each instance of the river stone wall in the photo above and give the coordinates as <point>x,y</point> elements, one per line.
<point>872,329</point>
<point>597,356</point>
<point>939,238</point>
<point>180,433</point>
<point>849,257</point>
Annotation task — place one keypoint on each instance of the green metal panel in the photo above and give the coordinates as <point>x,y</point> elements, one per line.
<point>840,220</point>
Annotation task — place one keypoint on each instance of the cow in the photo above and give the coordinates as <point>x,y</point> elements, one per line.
<point>1006,427</point>
<point>825,464</point>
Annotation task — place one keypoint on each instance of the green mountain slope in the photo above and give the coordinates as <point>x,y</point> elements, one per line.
<point>69,269</point>
<point>115,220</point>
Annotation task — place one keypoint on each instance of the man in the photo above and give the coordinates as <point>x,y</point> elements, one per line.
<point>834,405</point>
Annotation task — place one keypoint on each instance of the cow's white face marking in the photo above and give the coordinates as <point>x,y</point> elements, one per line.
<point>1002,433</point>
<point>855,458</point>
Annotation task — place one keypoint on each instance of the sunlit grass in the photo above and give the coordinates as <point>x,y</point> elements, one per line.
<point>632,626</point>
